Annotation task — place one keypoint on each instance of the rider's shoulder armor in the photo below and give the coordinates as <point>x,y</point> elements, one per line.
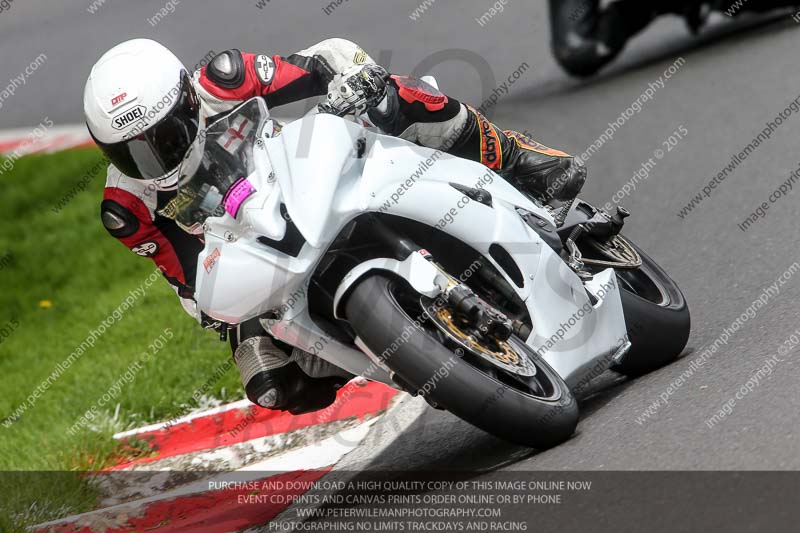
<point>119,221</point>
<point>227,69</point>
<point>230,69</point>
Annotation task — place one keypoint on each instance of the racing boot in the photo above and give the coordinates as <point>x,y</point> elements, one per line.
<point>544,172</point>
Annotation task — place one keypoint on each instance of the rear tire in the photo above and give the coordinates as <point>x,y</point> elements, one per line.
<point>657,317</point>
<point>470,393</point>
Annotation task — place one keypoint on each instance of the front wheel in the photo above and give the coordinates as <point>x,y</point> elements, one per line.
<point>656,315</point>
<point>502,387</point>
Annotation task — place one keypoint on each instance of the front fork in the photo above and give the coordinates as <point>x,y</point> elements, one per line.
<point>466,305</point>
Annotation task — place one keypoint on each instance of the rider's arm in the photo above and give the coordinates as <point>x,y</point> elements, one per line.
<point>234,76</point>
<point>129,214</point>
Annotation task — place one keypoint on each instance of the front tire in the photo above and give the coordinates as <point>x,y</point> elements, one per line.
<point>480,396</point>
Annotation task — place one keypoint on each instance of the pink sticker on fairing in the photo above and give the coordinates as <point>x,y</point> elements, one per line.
<point>237,194</point>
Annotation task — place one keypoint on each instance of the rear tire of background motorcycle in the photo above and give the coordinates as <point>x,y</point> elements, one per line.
<point>658,333</point>
<point>465,391</point>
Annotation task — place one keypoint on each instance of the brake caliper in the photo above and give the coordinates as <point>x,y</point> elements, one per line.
<point>477,314</point>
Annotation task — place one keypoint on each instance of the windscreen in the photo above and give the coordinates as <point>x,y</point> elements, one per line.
<point>213,173</point>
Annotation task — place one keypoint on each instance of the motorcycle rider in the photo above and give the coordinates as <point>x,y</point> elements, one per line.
<point>144,109</point>
<point>586,36</point>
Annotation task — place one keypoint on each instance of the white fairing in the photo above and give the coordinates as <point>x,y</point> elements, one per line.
<point>319,174</point>
<point>313,168</point>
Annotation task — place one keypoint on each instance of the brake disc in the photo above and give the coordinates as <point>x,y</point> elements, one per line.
<point>501,355</point>
<point>616,251</point>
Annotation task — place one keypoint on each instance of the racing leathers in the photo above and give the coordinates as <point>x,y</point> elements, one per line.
<point>290,379</point>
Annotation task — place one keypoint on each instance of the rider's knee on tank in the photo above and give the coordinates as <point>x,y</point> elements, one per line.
<point>420,113</point>
<point>410,104</point>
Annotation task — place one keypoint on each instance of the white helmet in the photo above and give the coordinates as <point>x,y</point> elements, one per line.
<point>141,109</point>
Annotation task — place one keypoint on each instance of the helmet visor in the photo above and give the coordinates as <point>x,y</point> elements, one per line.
<point>159,150</point>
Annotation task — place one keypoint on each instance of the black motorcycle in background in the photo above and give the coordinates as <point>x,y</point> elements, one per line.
<point>588,34</point>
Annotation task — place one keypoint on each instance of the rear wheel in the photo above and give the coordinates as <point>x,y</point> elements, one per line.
<point>656,315</point>
<point>502,387</point>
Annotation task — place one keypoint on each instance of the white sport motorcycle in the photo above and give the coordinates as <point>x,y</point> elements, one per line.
<point>421,270</point>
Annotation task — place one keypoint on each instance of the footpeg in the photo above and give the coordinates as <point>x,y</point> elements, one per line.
<point>610,227</point>
<point>618,220</point>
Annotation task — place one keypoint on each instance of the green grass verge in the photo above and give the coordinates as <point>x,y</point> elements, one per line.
<point>67,258</point>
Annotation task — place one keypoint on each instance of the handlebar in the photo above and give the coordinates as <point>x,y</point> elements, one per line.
<point>328,110</point>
